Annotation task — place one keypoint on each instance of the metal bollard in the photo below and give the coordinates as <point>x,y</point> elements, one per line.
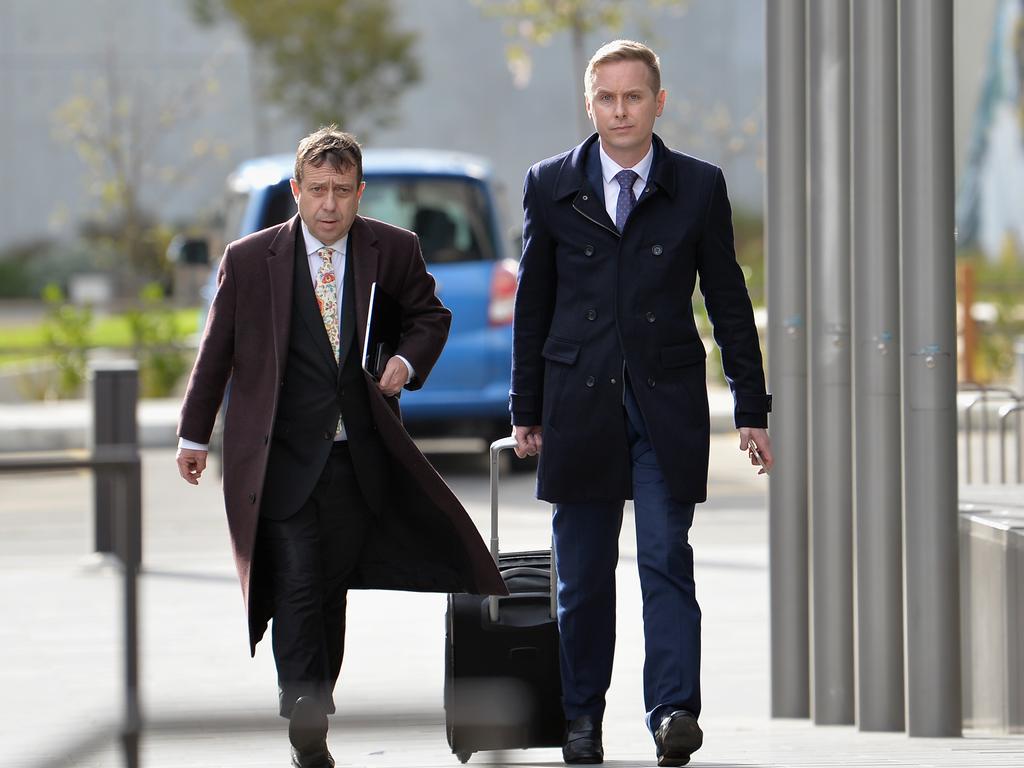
<point>128,495</point>
<point>114,387</point>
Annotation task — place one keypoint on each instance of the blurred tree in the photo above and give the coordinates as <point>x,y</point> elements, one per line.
<point>118,130</point>
<point>529,23</point>
<point>66,332</point>
<point>331,61</point>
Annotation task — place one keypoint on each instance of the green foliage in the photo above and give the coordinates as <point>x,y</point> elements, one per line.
<point>998,283</point>
<point>66,332</point>
<point>331,61</point>
<point>158,342</point>
<point>530,23</point>
<point>15,281</point>
<point>117,126</point>
<point>748,232</point>
<point>23,342</point>
<point>537,21</point>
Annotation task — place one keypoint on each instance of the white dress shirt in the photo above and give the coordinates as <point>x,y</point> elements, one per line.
<point>611,187</point>
<point>313,247</point>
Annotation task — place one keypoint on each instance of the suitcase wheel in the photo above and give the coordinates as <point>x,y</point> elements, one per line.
<point>463,756</point>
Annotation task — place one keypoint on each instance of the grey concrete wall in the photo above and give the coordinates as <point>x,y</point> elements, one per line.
<point>466,100</point>
<point>712,58</point>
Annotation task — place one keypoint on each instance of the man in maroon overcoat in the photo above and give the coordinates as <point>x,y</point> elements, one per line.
<point>324,490</point>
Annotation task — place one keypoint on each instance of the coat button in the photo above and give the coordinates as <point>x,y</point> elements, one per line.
<point>591,381</point>
<point>650,382</point>
<point>591,314</point>
<point>657,250</point>
<point>585,197</point>
<point>252,498</point>
<point>588,250</point>
<point>650,317</point>
<point>266,439</point>
<point>327,435</point>
<point>613,381</point>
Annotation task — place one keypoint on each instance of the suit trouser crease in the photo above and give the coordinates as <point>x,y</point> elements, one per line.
<point>586,548</point>
<point>308,558</point>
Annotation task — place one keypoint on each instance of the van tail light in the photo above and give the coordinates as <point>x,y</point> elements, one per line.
<point>503,292</point>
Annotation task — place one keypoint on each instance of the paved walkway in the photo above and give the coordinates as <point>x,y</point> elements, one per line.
<point>208,704</point>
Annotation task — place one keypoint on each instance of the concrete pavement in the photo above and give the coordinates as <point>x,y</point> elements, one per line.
<point>207,704</point>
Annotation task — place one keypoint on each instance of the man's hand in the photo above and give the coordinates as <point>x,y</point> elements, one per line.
<point>528,441</point>
<point>754,436</point>
<point>395,376</point>
<point>191,464</point>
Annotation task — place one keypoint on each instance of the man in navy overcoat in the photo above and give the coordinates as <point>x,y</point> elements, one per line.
<point>608,386</point>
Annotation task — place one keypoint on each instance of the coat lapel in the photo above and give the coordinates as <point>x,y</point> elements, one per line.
<point>365,255</point>
<point>663,172</point>
<point>280,266</point>
<point>580,177</point>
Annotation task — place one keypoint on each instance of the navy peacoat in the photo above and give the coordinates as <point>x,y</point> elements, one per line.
<point>595,306</point>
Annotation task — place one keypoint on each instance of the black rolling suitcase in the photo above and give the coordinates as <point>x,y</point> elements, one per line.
<point>502,688</point>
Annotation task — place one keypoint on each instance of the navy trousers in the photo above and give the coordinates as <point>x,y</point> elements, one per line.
<point>586,550</point>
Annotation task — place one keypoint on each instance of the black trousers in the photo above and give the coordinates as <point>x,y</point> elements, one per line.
<point>306,560</point>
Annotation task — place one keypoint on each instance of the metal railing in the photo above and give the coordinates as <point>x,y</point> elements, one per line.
<point>116,466</point>
<point>1002,403</point>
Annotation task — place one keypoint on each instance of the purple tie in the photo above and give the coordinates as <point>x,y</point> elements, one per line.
<point>627,200</point>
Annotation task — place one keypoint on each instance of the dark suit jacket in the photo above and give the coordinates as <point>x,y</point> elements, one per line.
<point>424,540</point>
<point>593,304</point>
<point>315,388</point>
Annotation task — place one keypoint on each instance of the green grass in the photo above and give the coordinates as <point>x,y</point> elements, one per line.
<point>25,342</point>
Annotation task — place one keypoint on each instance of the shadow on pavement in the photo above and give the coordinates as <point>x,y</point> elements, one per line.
<point>80,747</point>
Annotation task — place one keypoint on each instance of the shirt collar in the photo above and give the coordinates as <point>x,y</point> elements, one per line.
<point>609,167</point>
<point>313,245</point>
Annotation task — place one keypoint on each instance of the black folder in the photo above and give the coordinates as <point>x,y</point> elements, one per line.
<point>383,330</point>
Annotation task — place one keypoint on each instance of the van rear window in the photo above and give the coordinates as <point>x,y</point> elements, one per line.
<point>451,216</point>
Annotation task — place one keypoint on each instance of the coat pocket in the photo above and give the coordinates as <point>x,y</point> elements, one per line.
<point>561,355</point>
<point>680,355</point>
<point>561,350</point>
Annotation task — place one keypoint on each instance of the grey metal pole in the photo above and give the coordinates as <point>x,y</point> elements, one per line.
<point>876,367</point>
<point>128,495</point>
<point>831,452</point>
<point>786,240</point>
<point>114,386</point>
<point>931,554</point>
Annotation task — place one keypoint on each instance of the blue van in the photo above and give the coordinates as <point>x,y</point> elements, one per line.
<point>449,199</point>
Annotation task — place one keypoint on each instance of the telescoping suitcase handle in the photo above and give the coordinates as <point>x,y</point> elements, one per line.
<point>504,444</point>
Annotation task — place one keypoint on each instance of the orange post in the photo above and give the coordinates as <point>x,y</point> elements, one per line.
<point>970,328</point>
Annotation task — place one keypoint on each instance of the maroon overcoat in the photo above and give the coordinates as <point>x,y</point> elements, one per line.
<point>246,339</point>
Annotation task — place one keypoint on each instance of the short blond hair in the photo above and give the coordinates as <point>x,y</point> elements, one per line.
<point>623,50</point>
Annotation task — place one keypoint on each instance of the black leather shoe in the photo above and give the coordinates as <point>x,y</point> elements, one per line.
<point>307,731</point>
<point>321,758</point>
<point>678,736</point>
<point>583,742</point>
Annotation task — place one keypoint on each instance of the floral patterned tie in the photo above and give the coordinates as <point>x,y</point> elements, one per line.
<point>326,291</point>
<point>327,298</point>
